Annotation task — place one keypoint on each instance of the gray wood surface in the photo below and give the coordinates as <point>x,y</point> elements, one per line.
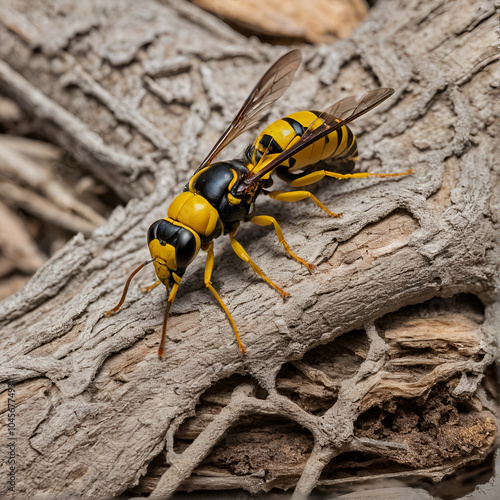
<point>138,92</point>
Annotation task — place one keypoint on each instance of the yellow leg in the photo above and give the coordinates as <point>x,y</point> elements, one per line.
<point>171,298</point>
<point>266,220</point>
<point>292,196</point>
<point>242,254</point>
<point>313,177</point>
<point>209,266</point>
<point>145,289</point>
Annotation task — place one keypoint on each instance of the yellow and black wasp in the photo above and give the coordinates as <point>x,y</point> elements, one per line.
<point>221,195</point>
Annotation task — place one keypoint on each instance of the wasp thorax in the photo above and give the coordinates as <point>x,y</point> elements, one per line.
<point>196,212</point>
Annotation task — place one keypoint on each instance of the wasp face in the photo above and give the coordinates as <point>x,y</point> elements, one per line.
<point>174,247</point>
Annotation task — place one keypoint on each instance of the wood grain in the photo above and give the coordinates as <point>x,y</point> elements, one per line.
<point>379,365</point>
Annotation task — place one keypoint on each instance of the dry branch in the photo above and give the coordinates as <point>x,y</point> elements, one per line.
<point>377,365</point>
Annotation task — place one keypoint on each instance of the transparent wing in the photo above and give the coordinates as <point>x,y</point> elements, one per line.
<point>351,108</point>
<point>270,88</point>
<point>339,114</point>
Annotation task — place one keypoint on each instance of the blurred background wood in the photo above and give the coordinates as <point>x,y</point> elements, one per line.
<point>315,21</point>
<point>42,211</point>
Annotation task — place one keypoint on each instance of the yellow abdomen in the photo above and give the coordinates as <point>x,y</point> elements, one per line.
<point>285,132</point>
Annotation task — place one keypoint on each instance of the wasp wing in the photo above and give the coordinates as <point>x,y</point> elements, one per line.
<point>336,116</point>
<point>270,88</point>
<point>346,110</point>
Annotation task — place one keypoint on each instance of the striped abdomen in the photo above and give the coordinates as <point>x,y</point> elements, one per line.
<point>283,133</point>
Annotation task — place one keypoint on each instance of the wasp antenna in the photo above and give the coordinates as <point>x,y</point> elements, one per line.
<point>125,289</point>
<point>161,349</point>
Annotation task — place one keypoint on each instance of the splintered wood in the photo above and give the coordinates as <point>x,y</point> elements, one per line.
<point>425,408</point>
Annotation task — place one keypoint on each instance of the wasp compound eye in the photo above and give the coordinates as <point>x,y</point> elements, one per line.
<point>185,248</point>
<point>162,231</point>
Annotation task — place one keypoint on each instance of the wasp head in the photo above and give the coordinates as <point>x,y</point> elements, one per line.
<point>173,247</point>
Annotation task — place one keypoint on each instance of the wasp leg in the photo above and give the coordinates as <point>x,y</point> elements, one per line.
<point>242,254</point>
<point>209,266</point>
<point>313,177</point>
<point>171,297</point>
<point>266,220</point>
<point>145,289</point>
<point>292,196</point>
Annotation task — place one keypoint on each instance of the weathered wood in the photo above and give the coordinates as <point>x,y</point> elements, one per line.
<point>396,326</point>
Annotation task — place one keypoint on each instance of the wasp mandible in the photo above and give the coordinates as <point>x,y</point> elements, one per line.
<point>221,195</point>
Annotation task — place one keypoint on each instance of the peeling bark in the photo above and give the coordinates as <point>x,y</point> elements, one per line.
<point>377,367</point>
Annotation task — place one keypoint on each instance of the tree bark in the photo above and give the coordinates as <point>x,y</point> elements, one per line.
<point>378,367</point>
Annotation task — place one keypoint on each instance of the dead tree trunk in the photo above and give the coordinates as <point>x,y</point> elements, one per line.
<point>376,366</point>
